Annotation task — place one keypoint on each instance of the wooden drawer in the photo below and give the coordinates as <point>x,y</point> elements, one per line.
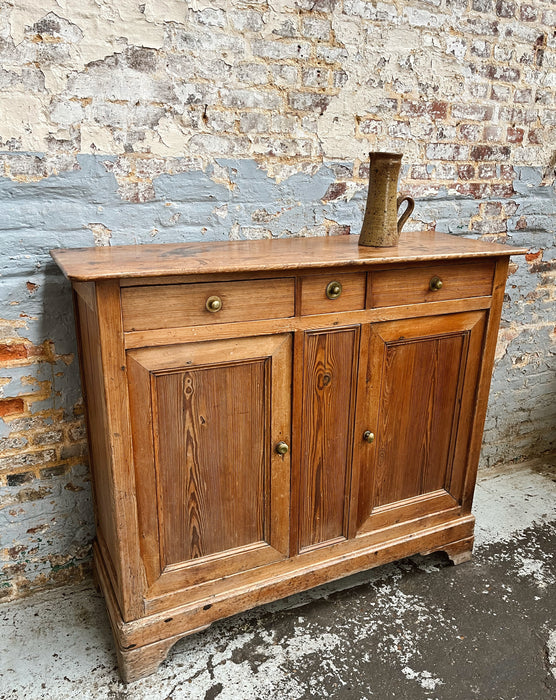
<point>315,300</point>
<point>415,285</point>
<point>173,305</point>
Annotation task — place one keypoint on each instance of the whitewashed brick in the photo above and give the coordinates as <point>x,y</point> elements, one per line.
<point>280,50</point>
<point>250,98</point>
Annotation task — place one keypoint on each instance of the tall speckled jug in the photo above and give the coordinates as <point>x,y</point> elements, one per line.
<point>381,226</point>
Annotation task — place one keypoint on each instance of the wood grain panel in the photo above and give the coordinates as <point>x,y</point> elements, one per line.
<point>418,387</point>
<point>143,458</point>
<point>171,336</point>
<point>170,306</point>
<point>412,285</point>
<point>211,441</point>
<point>418,400</point>
<point>213,494</point>
<point>315,301</point>
<point>219,599</point>
<point>105,390</point>
<point>485,362</point>
<point>279,254</point>
<point>329,380</point>
<point>120,465</point>
<point>97,428</point>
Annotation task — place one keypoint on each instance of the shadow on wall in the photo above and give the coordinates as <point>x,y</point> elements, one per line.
<point>46,515</point>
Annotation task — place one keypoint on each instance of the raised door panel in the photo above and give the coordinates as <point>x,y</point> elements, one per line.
<point>212,491</point>
<point>418,398</point>
<point>329,388</point>
<point>210,439</point>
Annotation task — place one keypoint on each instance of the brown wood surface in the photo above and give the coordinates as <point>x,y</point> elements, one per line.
<point>470,392</point>
<point>421,387</point>
<point>278,254</point>
<point>486,367</point>
<point>105,388</point>
<point>87,292</point>
<point>458,552</point>
<point>329,387</point>
<point>160,598</point>
<point>98,434</point>
<point>222,493</point>
<point>277,581</point>
<point>420,372</point>
<point>171,336</point>
<point>412,284</point>
<point>313,299</point>
<point>119,469</point>
<point>140,403</point>
<point>198,516</point>
<point>210,439</point>
<point>169,306</point>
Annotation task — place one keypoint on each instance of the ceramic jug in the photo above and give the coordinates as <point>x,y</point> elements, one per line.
<point>381,226</point>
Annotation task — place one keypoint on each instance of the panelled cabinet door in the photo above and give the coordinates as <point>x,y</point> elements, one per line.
<point>212,490</point>
<point>329,383</point>
<point>417,394</point>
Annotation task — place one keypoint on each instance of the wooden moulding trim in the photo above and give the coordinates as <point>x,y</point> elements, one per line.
<point>169,336</point>
<point>159,598</point>
<point>83,264</point>
<point>292,579</point>
<point>301,274</point>
<point>411,510</point>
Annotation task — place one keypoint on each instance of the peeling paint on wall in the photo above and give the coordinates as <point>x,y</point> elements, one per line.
<point>136,122</point>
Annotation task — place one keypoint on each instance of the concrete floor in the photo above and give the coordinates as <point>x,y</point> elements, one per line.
<point>418,629</point>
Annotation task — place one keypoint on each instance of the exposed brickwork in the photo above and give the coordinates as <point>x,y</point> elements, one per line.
<point>214,120</point>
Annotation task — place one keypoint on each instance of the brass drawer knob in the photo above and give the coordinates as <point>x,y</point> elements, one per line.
<point>282,448</point>
<point>333,290</point>
<point>213,304</point>
<point>435,284</point>
<point>368,436</point>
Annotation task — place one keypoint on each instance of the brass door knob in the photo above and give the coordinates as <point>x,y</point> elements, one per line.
<point>213,304</point>
<point>282,448</point>
<point>435,284</point>
<point>333,290</point>
<point>368,436</point>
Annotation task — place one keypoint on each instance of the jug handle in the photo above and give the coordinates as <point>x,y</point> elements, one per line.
<point>407,213</point>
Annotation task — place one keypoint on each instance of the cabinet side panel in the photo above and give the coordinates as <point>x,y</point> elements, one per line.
<point>120,465</point>
<point>485,376</point>
<point>327,433</point>
<point>210,443</point>
<point>97,424</point>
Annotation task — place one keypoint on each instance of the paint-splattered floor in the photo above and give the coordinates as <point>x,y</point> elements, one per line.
<point>418,629</point>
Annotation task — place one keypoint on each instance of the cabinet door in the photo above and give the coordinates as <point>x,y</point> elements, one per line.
<point>213,493</point>
<point>329,379</point>
<point>417,394</point>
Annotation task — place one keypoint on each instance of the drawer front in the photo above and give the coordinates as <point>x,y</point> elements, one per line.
<point>327,294</point>
<point>440,282</point>
<point>174,305</point>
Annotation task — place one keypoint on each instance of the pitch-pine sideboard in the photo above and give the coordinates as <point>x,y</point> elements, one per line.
<point>265,416</point>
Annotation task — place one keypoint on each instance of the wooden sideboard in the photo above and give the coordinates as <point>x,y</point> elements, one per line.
<point>266,416</point>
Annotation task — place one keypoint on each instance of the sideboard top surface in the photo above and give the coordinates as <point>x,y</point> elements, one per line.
<point>96,263</point>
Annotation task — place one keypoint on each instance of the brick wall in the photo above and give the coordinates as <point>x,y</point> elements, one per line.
<point>127,122</point>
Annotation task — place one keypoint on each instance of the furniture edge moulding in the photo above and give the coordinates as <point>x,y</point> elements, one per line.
<point>292,254</point>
